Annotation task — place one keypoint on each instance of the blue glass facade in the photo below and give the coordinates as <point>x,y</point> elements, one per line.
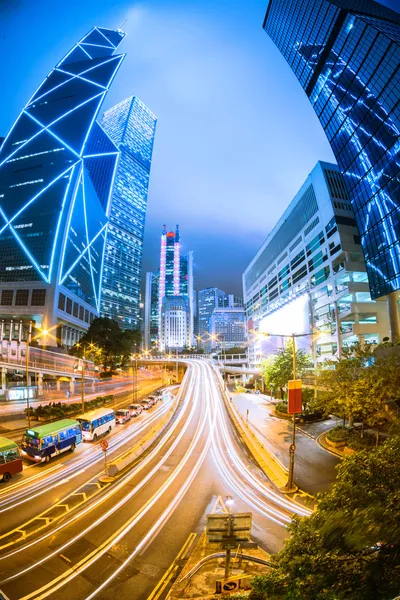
<point>346,55</point>
<point>56,173</point>
<point>131,126</point>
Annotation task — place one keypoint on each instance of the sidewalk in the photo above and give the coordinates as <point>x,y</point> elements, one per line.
<point>314,467</point>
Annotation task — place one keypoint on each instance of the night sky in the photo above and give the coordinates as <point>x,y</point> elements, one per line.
<point>236,136</point>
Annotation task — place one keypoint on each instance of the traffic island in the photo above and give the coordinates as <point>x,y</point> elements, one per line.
<point>208,582</point>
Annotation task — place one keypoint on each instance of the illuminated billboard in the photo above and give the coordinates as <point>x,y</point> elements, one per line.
<point>293,317</point>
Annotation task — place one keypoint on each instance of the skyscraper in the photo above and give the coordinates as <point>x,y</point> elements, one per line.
<point>208,299</point>
<point>57,167</point>
<point>346,55</point>
<point>131,126</point>
<point>151,311</point>
<point>175,279</point>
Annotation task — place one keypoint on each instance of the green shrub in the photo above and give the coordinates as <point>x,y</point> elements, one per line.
<point>356,442</point>
<point>281,407</point>
<point>339,434</point>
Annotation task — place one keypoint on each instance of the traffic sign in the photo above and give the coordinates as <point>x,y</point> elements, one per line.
<point>230,584</point>
<point>104,445</point>
<point>229,527</point>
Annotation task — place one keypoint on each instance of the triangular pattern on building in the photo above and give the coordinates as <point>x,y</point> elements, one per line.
<point>44,171</point>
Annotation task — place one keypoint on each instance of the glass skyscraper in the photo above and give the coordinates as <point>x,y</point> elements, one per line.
<point>57,167</point>
<point>131,126</point>
<point>346,56</point>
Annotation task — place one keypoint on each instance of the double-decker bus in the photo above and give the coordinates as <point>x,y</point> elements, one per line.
<point>96,422</point>
<point>43,442</point>
<point>10,459</point>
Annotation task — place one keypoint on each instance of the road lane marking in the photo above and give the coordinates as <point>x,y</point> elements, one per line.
<point>165,580</point>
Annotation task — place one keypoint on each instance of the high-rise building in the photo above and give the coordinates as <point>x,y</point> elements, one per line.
<point>208,300</point>
<point>309,276</point>
<point>230,301</point>
<point>175,279</point>
<point>131,126</point>
<point>227,328</point>
<point>57,167</point>
<point>151,311</point>
<point>346,54</point>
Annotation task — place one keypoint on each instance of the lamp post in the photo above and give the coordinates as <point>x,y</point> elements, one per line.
<point>134,376</point>
<point>290,486</point>
<point>28,340</point>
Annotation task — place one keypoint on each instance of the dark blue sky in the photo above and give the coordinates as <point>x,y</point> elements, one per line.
<point>236,136</point>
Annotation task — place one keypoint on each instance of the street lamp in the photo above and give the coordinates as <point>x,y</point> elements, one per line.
<point>290,486</point>
<point>29,340</point>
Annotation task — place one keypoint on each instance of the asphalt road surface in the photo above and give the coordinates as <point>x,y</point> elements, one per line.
<point>120,541</point>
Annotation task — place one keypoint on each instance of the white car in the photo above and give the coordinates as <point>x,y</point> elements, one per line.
<point>122,416</point>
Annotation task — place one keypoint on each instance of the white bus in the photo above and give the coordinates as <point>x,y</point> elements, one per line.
<point>96,422</point>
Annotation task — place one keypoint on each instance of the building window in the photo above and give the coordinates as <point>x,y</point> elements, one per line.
<point>81,313</point>
<point>21,298</point>
<point>76,310</point>
<point>86,315</point>
<point>61,301</point>
<point>69,306</point>
<point>38,297</point>
<point>7,297</point>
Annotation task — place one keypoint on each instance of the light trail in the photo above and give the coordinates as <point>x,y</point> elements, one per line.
<point>90,457</point>
<point>111,492</point>
<point>224,445</point>
<point>90,559</point>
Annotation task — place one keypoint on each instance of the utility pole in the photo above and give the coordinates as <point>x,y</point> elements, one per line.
<point>28,408</point>
<point>290,485</point>
<point>83,380</point>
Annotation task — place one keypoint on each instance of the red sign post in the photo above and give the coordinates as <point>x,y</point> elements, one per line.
<point>295,399</point>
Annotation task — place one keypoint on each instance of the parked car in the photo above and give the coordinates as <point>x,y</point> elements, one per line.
<point>310,417</point>
<point>153,398</point>
<point>248,392</point>
<point>146,404</point>
<point>135,409</point>
<point>122,416</point>
<point>257,392</point>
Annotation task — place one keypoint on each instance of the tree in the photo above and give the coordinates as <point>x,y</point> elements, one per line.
<point>277,370</point>
<point>107,344</point>
<point>360,384</point>
<point>349,548</point>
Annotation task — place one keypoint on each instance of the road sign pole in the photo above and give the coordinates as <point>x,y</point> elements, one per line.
<point>105,462</point>
<point>228,550</point>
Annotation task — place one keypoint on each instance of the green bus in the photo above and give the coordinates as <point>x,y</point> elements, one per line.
<point>10,459</point>
<point>42,443</point>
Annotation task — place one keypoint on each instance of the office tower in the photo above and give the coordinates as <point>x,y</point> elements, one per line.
<point>151,311</point>
<point>230,301</point>
<point>131,126</point>
<point>175,279</point>
<point>345,54</point>
<point>227,328</point>
<point>208,300</point>
<point>57,167</point>
<point>310,275</point>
